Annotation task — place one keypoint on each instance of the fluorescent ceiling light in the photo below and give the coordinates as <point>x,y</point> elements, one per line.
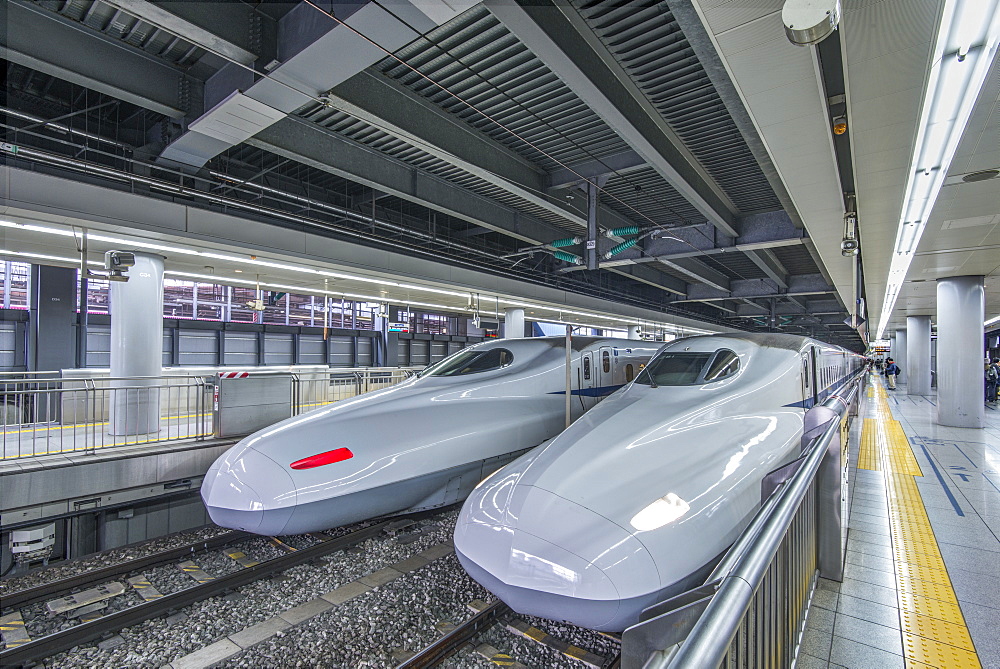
<point>559,313</point>
<point>965,47</point>
<point>992,321</point>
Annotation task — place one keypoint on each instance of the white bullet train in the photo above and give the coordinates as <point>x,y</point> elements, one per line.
<point>421,444</point>
<point>640,497</point>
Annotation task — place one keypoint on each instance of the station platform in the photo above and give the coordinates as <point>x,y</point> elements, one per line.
<point>923,554</point>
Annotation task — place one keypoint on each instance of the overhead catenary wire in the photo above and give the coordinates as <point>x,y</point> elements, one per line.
<point>583,179</point>
<point>590,182</point>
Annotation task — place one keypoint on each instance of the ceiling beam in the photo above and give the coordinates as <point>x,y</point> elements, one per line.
<point>622,162</point>
<point>309,144</point>
<point>754,289</point>
<point>699,273</point>
<point>316,54</point>
<point>559,37</point>
<point>649,276</point>
<point>392,108</point>
<point>45,41</point>
<point>224,28</point>
<point>768,263</point>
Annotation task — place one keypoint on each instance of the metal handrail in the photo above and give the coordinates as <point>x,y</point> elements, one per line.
<point>710,639</point>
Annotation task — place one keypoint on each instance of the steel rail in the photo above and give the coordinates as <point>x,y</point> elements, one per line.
<point>60,641</point>
<point>28,596</point>
<point>443,647</point>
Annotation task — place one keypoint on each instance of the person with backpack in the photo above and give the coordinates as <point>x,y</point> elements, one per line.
<point>992,380</point>
<point>891,372</point>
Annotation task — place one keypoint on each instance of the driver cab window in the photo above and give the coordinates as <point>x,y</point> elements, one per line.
<point>682,368</point>
<point>471,362</point>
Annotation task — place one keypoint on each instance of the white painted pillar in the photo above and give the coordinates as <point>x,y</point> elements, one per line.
<point>899,356</point>
<point>513,323</point>
<point>633,332</point>
<point>961,307</point>
<point>918,351</point>
<point>137,346</point>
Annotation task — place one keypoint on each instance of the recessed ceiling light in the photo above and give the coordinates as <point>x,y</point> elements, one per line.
<point>238,271</point>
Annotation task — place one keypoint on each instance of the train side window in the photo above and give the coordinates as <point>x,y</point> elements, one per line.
<point>629,373</point>
<point>586,369</point>
<point>726,363</point>
<point>606,361</point>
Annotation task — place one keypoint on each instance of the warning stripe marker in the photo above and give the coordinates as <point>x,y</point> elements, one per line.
<point>242,559</point>
<point>195,572</point>
<point>12,630</point>
<point>145,589</point>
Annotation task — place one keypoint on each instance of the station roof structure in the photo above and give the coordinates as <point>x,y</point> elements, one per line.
<point>450,143</point>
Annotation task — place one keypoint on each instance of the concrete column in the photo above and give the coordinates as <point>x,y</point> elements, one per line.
<point>513,323</point>
<point>137,346</point>
<point>961,307</point>
<point>899,355</point>
<point>633,332</point>
<point>918,350</point>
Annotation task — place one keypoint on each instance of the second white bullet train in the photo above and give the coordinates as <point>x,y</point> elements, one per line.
<point>421,444</point>
<point>640,497</point>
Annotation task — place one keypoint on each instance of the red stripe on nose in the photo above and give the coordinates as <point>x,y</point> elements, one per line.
<point>320,459</point>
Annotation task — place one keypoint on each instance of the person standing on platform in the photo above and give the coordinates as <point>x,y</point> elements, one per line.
<point>992,380</point>
<point>891,372</point>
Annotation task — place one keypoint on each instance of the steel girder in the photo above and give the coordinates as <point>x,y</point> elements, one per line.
<point>559,37</point>
<point>42,40</point>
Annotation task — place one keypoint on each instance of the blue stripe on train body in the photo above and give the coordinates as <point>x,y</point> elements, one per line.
<point>823,395</point>
<point>591,392</point>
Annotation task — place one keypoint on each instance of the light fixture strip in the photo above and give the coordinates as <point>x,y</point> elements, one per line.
<point>965,47</point>
<point>301,289</point>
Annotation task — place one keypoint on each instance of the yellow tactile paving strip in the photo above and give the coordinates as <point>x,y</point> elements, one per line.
<point>933,628</point>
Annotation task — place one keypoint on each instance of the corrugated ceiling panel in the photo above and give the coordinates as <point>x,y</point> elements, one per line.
<point>646,40</point>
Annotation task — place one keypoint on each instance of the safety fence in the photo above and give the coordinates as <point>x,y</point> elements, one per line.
<point>751,610</point>
<point>44,413</point>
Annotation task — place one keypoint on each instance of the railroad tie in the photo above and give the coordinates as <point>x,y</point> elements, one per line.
<point>145,589</point>
<point>522,628</point>
<point>195,572</point>
<point>498,658</point>
<point>242,559</point>
<point>12,630</point>
<point>275,541</point>
<point>90,612</point>
<point>85,598</point>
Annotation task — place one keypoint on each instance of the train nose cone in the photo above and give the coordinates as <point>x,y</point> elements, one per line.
<point>548,556</point>
<point>249,492</point>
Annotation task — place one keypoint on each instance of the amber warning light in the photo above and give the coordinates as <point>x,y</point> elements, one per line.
<point>320,459</point>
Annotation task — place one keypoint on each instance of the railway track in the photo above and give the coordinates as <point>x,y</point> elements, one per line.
<point>25,651</point>
<point>485,617</point>
<point>22,598</point>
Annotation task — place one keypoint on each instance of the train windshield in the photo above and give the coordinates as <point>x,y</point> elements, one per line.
<point>689,368</point>
<point>471,362</point>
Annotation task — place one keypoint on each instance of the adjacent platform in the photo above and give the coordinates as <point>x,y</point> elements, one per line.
<point>923,556</point>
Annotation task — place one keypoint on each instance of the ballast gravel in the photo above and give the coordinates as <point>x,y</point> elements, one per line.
<point>375,629</point>
<point>158,642</point>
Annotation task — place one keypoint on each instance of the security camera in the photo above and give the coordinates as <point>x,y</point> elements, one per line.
<point>849,247</point>
<point>117,263</point>
<point>118,260</point>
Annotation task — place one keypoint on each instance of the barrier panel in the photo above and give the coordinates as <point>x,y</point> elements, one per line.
<point>48,413</point>
<point>751,610</point>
